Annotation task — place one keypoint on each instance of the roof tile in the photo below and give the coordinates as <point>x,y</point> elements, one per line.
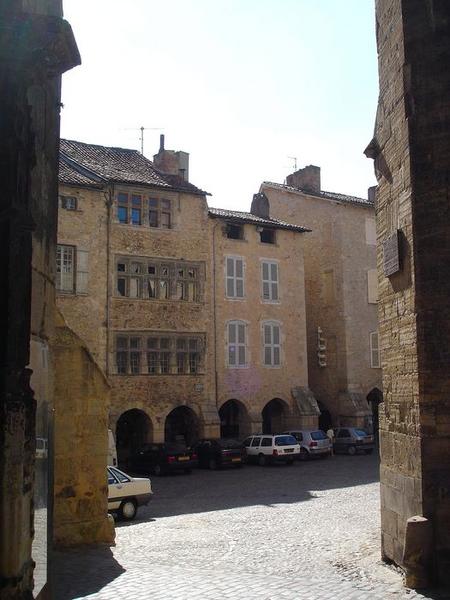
<point>245,217</point>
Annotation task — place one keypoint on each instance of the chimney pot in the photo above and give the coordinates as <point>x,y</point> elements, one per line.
<point>161,142</point>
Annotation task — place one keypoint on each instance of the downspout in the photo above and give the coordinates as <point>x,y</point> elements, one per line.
<point>109,204</point>
<point>216,384</point>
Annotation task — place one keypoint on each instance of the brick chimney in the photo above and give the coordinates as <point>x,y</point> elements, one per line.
<point>172,162</point>
<point>307,179</point>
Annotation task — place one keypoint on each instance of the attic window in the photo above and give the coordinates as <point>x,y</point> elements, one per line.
<point>267,236</point>
<point>235,232</point>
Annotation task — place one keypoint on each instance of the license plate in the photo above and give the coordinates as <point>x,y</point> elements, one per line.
<point>235,460</point>
<point>183,458</point>
<point>289,450</point>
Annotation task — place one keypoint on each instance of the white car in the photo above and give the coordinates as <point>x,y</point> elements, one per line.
<point>271,448</point>
<point>312,443</point>
<point>126,493</point>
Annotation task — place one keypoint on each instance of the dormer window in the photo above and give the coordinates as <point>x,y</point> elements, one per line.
<point>267,236</point>
<point>235,232</point>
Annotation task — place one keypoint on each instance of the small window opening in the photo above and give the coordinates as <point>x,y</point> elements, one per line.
<point>267,236</point>
<point>235,232</point>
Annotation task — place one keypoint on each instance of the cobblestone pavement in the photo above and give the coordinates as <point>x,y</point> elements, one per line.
<point>306,532</point>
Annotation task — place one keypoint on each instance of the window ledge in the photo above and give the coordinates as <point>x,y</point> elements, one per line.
<point>158,301</point>
<point>157,374</point>
<point>143,227</point>
<point>277,302</point>
<point>234,299</point>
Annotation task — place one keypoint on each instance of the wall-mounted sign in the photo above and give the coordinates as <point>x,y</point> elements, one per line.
<point>391,254</point>
<point>199,387</point>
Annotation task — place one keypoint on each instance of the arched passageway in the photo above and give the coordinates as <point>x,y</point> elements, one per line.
<point>182,425</point>
<point>234,420</point>
<point>325,420</point>
<point>374,398</point>
<point>133,429</point>
<point>273,416</point>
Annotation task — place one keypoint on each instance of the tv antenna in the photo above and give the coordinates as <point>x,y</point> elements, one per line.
<point>294,158</point>
<point>142,129</point>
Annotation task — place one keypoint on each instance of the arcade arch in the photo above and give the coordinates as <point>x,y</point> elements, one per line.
<point>182,425</point>
<point>134,428</point>
<point>273,416</point>
<point>234,420</point>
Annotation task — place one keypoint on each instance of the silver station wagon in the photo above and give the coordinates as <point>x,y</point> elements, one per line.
<point>312,443</point>
<point>264,449</point>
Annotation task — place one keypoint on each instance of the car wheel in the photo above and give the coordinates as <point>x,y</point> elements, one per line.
<point>212,464</point>
<point>128,510</point>
<point>261,460</point>
<point>351,450</point>
<point>157,470</point>
<point>369,451</point>
<point>304,454</point>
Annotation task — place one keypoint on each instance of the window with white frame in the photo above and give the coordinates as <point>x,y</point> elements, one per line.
<point>157,353</point>
<point>71,269</point>
<point>234,277</point>
<point>237,344</point>
<point>375,361</point>
<point>269,271</point>
<point>271,343</point>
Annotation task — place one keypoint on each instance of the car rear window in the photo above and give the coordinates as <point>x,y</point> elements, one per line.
<point>318,435</point>
<point>285,440</point>
<point>361,432</point>
<point>229,443</point>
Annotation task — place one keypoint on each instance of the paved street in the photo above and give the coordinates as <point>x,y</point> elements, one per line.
<point>306,532</point>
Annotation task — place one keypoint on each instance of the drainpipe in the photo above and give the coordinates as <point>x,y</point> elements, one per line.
<point>216,385</point>
<point>109,204</point>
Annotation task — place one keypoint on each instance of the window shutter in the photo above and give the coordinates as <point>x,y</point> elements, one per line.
<point>372,286</point>
<point>374,350</point>
<point>82,271</point>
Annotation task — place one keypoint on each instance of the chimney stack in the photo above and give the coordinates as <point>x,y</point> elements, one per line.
<point>171,162</point>
<point>307,179</point>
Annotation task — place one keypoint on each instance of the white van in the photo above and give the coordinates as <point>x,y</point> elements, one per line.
<point>112,451</point>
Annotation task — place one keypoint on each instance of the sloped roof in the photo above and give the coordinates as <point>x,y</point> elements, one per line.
<point>322,194</point>
<point>69,175</point>
<point>237,216</point>
<point>115,165</point>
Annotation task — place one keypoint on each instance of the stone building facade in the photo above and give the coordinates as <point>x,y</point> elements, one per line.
<point>341,294</point>
<point>142,280</point>
<point>411,149</point>
<point>259,321</point>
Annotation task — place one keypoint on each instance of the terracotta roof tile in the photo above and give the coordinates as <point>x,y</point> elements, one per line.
<point>322,194</point>
<point>245,217</point>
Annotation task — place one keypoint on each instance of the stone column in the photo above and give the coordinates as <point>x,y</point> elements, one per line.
<point>36,46</point>
<point>411,148</point>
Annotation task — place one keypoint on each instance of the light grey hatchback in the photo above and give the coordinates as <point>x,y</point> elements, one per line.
<point>313,442</point>
<point>353,440</point>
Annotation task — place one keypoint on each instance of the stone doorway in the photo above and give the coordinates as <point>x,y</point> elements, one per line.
<point>273,415</point>
<point>234,420</point>
<point>374,399</point>
<point>325,420</point>
<point>133,430</point>
<point>182,425</point>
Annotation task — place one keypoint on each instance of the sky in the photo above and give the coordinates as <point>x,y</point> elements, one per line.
<point>248,87</point>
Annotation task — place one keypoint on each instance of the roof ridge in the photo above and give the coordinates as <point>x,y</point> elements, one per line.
<point>105,147</point>
<point>320,193</point>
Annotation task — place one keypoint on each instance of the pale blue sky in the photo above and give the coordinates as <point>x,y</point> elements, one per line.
<point>239,84</point>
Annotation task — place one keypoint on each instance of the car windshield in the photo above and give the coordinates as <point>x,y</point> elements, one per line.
<point>229,443</point>
<point>361,432</point>
<point>285,440</point>
<point>318,435</point>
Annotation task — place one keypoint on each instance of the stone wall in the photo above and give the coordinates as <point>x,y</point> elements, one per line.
<point>411,148</point>
<point>81,444</point>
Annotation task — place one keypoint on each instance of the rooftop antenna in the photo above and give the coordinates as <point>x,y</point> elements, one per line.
<point>142,129</point>
<point>294,158</point>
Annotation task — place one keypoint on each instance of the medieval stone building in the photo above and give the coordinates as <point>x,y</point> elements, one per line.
<point>196,315</point>
<point>344,369</point>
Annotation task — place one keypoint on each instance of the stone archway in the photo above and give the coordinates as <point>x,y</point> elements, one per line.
<point>234,420</point>
<point>182,425</point>
<point>133,430</point>
<point>273,416</point>
<point>325,419</point>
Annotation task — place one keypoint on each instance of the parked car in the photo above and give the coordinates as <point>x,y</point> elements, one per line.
<point>312,443</point>
<point>160,459</point>
<point>265,449</point>
<point>215,454</point>
<point>126,493</point>
<point>41,447</point>
<point>352,440</point>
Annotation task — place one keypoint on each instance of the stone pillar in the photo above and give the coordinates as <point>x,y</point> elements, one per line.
<point>411,148</point>
<point>36,46</point>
